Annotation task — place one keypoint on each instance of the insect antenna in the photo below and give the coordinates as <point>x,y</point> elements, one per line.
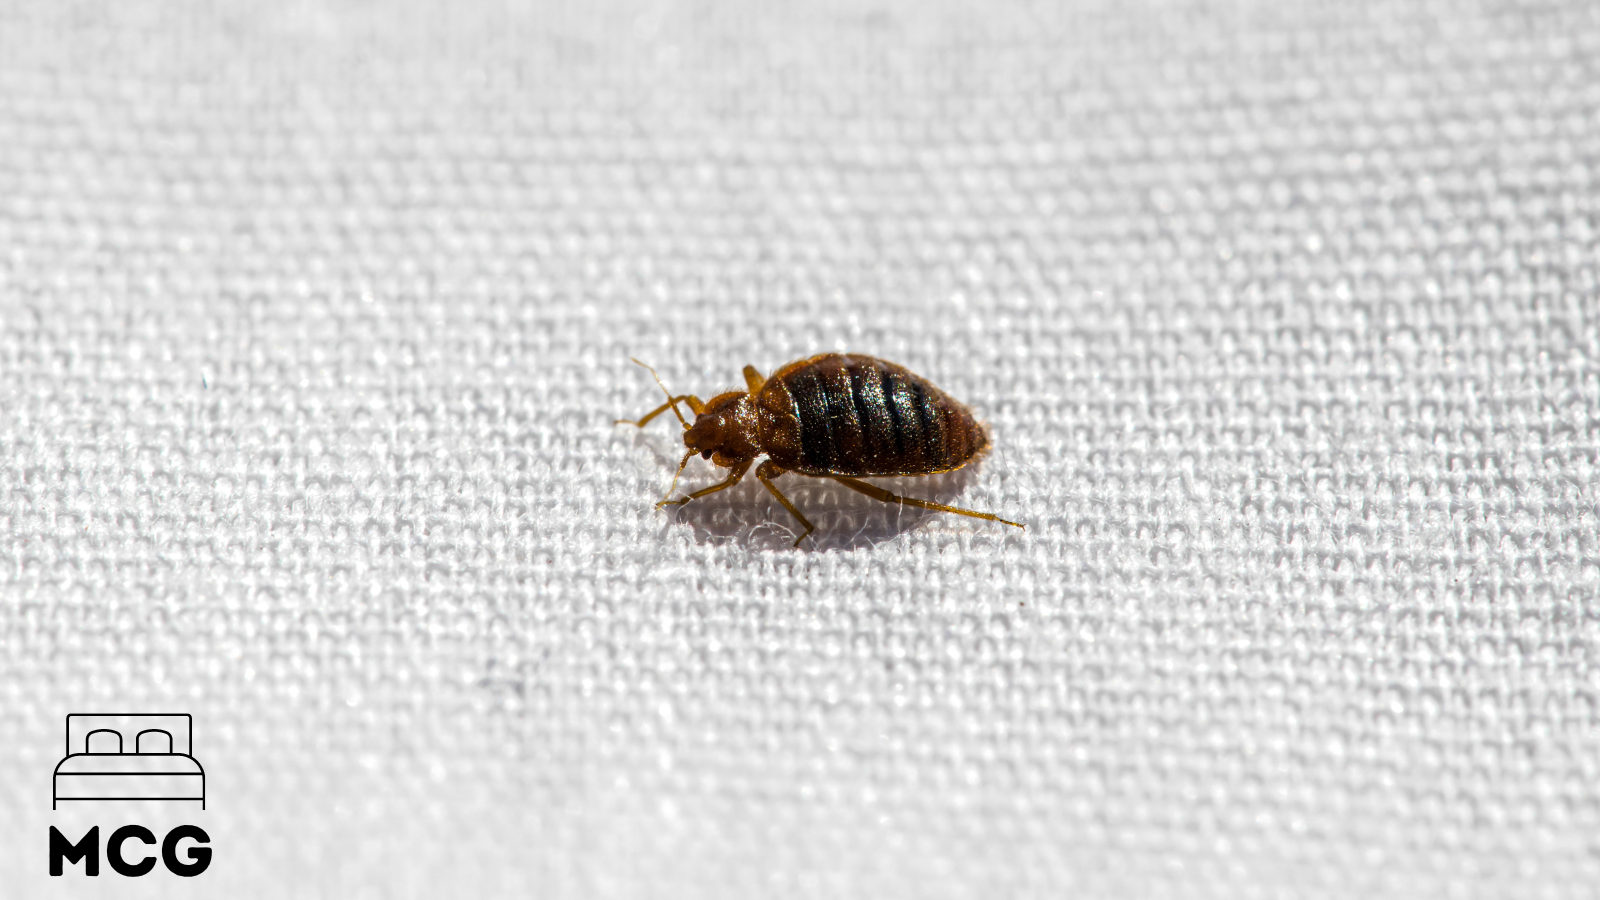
<point>672,402</point>
<point>674,485</point>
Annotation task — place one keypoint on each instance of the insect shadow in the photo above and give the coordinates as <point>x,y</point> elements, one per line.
<point>745,514</point>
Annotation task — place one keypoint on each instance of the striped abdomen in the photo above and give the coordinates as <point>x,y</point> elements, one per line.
<point>856,415</point>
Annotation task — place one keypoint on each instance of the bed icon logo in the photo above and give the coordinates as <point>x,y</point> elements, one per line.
<point>120,756</point>
<point>128,757</point>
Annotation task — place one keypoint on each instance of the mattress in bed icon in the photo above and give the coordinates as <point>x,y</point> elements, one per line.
<point>128,757</point>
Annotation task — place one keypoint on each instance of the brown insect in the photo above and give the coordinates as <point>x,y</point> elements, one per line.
<point>830,416</point>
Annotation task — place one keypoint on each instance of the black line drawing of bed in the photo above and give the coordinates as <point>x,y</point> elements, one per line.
<point>115,756</point>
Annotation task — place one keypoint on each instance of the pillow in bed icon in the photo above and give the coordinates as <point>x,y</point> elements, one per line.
<point>128,757</point>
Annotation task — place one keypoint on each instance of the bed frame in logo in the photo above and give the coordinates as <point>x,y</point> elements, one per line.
<point>115,756</point>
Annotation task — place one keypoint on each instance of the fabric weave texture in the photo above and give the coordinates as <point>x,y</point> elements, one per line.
<point>1284,317</point>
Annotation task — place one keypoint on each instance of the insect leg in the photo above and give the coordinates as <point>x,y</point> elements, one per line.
<point>752,379</point>
<point>734,474</point>
<point>878,493</point>
<point>694,403</point>
<point>765,473</point>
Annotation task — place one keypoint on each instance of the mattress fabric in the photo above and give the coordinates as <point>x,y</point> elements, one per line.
<point>1284,318</point>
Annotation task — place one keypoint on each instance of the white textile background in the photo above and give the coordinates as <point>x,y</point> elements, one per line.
<point>1285,316</point>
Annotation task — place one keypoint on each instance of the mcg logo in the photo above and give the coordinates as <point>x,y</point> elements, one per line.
<point>129,757</point>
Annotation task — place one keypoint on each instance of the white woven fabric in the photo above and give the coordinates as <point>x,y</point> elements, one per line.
<point>1285,317</point>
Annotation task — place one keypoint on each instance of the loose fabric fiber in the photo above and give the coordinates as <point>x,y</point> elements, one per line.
<point>1284,318</point>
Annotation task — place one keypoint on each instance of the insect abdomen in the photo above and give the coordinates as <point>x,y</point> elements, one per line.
<point>856,415</point>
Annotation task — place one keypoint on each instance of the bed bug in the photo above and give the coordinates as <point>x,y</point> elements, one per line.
<point>832,416</point>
